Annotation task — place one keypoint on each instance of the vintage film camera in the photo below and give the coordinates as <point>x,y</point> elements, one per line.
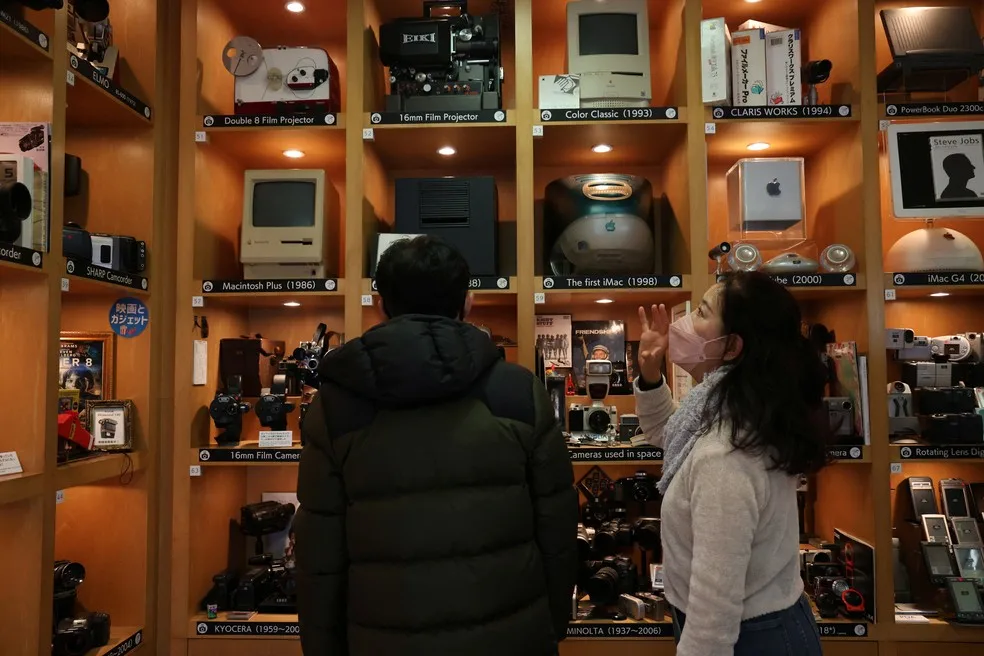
<point>116,252</point>
<point>840,412</point>
<point>640,488</point>
<point>301,368</point>
<point>273,407</point>
<point>607,579</point>
<point>74,635</point>
<point>266,586</point>
<point>265,518</point>
<point>227,410</point>
<point>282,80</point>
<point>597,418</point>
<point>77,636</point>
<point>448,60</point>
<point>16,206</point>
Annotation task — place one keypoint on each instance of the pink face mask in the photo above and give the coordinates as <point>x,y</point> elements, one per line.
<point>687,348</point>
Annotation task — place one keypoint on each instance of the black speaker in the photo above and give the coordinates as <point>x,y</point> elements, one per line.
<point>73,175</point>
<point>461,211</point>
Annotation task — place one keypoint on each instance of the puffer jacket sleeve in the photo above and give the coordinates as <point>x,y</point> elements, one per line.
<point>320,545</point>
<point>556,508</point>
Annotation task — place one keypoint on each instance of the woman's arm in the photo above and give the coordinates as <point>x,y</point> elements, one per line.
<point>724,509</point>
<point>654,405</point>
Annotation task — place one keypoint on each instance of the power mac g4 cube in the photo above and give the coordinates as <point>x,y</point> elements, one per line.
<point>766,194</point>
<point>461,211</point>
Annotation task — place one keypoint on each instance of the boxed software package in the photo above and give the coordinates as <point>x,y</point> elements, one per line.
<point>27,156</point>
<point>748,73</point>
<point>759,25</point>
<point>715,62</point>
<point>600,340</point>
<point>783,59</point>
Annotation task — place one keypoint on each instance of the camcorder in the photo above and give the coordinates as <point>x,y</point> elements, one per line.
<point>116,252</point>
<point>301,368</point>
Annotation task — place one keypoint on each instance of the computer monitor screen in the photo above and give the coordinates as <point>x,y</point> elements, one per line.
<point>608,34</point>
<point>284,204</point>
<point>284,218</point>
<point>937,170</point>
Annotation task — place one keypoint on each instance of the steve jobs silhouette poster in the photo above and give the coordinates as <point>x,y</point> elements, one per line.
<point>958,166</point>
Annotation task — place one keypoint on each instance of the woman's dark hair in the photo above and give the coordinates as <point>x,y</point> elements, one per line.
<point>772,394</point>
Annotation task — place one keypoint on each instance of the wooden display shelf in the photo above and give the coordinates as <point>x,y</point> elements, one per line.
<point>645,292</point>
<point>277,123</point>
<point>19,487</point>
<point>25,268</point>
<point>508,120</point>
<point>98,468</point>
<point>79,284</point>
<point>965,453</point>
<point>951,283</point>
<point>90,104</point>
<point>122,640</point>
<point>677,115</point>
<point>320,296</point>
<point>260,625</point>
<point>786,138</point>
<point>485,147</point>
<point>802,114</point>
<point>14,43</point>
<point>935,630</point>
<point>487,290</point>
<point>247,453</point>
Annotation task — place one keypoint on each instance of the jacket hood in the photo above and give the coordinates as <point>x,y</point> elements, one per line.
<point>411,360</point>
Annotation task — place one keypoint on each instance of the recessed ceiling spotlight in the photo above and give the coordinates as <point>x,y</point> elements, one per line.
<point>292,304</point>
<point>447,151</point>
<point>604,300</point>
<point>752,2</point>
<point>602,148</point>
<point>758,145</point>
<point>939,294</point>
<point>294,154</point>
<point>295,7</point>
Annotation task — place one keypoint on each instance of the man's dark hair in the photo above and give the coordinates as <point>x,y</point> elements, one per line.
<point>423,275</point>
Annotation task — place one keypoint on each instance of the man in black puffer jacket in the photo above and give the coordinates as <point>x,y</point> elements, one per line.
<point>437,511</point>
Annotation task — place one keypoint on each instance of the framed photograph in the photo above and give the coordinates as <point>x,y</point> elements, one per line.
<point>111,424</point>
<point>85,363</point>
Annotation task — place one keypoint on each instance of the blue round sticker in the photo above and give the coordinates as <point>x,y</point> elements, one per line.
<point>128,317</point>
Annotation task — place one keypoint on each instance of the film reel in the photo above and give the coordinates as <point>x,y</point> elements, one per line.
<point>242,56</point>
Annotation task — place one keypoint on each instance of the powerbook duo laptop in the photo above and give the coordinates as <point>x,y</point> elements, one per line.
<point>933,49</point>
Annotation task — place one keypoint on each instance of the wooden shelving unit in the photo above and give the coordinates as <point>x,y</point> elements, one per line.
<point>102,510</point>
<point>685,151</point>
<point>152,527</point>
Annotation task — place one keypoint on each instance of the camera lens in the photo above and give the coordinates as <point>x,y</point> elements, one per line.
<point>602,587</point>
<point>647,534</point>
<point>599,421</point>
<point>69,574</point>
<point>92,11</point>
<point>605,541</point>
<point>640,492</point>
<point>312,363</point>
<point>299,354</point>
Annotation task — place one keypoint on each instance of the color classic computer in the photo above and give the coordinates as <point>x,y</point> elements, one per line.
<point>285,223</point>
<point>608,46</point>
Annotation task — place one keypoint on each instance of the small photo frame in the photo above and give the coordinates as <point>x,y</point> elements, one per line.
<point>111,424</point>
<point>85,363</point>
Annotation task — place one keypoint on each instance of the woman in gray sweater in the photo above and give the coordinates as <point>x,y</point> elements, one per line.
<point>733,451</point>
